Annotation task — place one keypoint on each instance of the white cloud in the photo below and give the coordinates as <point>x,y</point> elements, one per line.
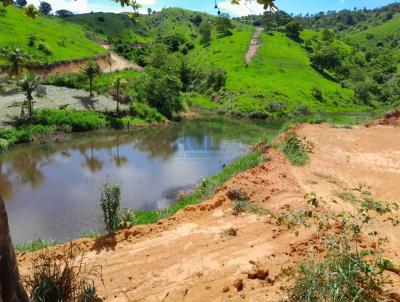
<point>86,6</point>
<point>242,9</point>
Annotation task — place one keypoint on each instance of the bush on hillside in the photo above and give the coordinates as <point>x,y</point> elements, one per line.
<point>293,30</point>
<point>224,26</point>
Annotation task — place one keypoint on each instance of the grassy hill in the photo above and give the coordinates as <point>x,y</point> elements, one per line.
<point>147,28</point>
<point>369,38</point>
<point>52,39</point>
<point>280,76</point>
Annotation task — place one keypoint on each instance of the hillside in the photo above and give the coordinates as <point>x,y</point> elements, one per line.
<point>280,76</point>
<point>386,34</point>
<point>148,27</point>
<point>46,39</point>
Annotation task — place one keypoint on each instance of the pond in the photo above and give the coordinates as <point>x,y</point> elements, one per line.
<point>52,190</point>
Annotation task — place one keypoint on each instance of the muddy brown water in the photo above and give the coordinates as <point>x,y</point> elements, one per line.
<point>52,190</point>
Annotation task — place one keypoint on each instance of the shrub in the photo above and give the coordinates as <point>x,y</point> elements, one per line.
<point>345,272</point>
<point>43,48</point>
<point>224,26</point>
<point>317,94</point>
<point>3,145</point>
<point>301,110</point>
<point>296,148</point>
<point>145,112</point>
<point>293,30</point>
<point>161,89</point>
<point>277,106</point>
<point>76,120</point>
<point>110,203</point>
<point>62,278</point>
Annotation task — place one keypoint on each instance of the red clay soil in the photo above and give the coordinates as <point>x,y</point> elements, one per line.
<point>205,253</point>
<point>75,66</point>
<point>391,118</point>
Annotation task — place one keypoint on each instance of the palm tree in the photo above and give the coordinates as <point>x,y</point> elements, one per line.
<point>28,85</point>
<point>11,289</point>
<point>117,86</point>
<point>16,60</point>
<point>91,70</point>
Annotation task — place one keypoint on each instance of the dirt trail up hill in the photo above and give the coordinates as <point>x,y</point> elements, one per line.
<point>205,253</point>
<point>254,45</point>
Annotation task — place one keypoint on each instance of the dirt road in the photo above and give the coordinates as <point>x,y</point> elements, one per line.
<point>205,253</point>
<point>254,45</point>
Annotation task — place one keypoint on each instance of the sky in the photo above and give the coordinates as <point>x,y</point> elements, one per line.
<point>290,6</point>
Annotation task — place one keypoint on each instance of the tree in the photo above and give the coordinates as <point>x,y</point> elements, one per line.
<point>21,3</point>
<point>327,35</point>
<point>91,70</point>
<point>326,58</point>
<point>205,32</point>
<point>116,88</point>
<point>224,26</point>
<point>11,289</point>
<point>197,20</point>
<point>63,13</point>
<point>161,89</point>
<point>293,30</point>
<point>16,60</point>
<point>45,8</point>
<point>149,10</point>
<point>28,85</point>
<point>282,18</point>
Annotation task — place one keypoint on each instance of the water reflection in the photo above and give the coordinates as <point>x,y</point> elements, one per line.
<point>52,190</point>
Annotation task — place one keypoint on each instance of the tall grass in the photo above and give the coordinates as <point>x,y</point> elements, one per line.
<point>34,245</point>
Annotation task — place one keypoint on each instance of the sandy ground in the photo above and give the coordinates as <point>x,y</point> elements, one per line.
<point>10,104</point>
<point>254,45</point>
<point>202,252</point>
<point>119,63</point>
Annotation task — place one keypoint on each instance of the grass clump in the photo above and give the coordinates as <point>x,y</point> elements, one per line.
<point>3,145</point>
<point>34,245</point>
<point>62,278</point>
<point>296,148</point>
<point>70,120</point>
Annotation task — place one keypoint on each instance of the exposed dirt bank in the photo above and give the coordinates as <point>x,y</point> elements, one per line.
<point>205,253</point>
<point>75,66</point>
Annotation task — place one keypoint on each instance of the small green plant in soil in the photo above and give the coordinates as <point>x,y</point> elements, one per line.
<point>34,245</point>
<point>241,206</point>
<point>110,201</point>
<point>345,272</point>
<point>65,277</point>
<point>296,148</point>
